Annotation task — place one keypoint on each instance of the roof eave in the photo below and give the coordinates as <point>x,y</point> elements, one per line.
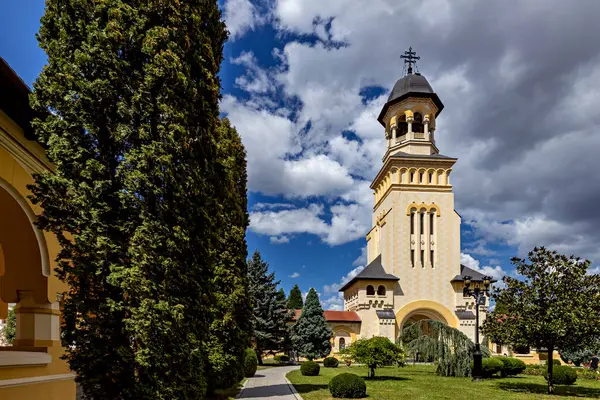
<point>436,100</point>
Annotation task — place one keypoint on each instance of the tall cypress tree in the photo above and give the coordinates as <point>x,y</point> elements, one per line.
<point>270,315</point>
<point>312,334</point>
<point>295,300</point>
<point>132,89</point>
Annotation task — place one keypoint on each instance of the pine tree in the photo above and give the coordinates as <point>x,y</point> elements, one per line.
<point>281,295</point>
<point>133,91</point>
<point>270,309</point>
<point>231,326</point>
<point>10,329</point>
<point>295,300</point>
<point>312,334</point>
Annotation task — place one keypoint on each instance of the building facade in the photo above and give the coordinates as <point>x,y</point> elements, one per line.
<point>413,267</point>
<point>31,367</point>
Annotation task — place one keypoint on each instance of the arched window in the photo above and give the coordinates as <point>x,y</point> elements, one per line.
<point>422,223</point>
<point>412,221</point>
<point>381,290</point>
<point>431,218</point>
<point>412,176</point>
<point>370,291</point>
<point>402,128</point>
<point>342,344</point>
<point>417,125</point>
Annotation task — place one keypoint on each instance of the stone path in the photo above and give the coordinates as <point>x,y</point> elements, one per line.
<point>270,383</point>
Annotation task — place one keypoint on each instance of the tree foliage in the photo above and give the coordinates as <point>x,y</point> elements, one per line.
<point>295,301</point>
<point>311,334</point>
<point>375,352</point>
<point>141,195</point>
<point>10,329</point>
<point>270,313</point>
<point>555,305</point>
<point>449,348</point>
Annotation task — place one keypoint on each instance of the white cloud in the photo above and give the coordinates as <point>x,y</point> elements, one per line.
<point>362,259</point>
<point>241,16</point>
<point>294,275</point>
<point>335,302</point>
<point>496,272</point>
<point>279,239</point>
<point>335,287</point>
<point>255,79</point>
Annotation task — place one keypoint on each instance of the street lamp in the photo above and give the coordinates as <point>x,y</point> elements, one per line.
<point>479,295</point>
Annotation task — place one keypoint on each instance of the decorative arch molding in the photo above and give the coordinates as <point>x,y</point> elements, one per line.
<point>426,207</point>
<point>425,307</point>
<point>39,235</point>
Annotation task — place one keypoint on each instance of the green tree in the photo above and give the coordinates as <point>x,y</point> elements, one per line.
<point>312,334</point>
<point>375,352</point>
<point>295,300</point>
<point>550,308</point>
<point>270,313</point>
<point>133,89</point>
<point>231,321</point>
<point>10,329</point>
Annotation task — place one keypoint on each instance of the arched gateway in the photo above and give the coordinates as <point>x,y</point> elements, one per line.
<point>413,248</point>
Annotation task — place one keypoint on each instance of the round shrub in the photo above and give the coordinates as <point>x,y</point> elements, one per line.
<point>347,386</point>
<point>331,362</point>
<point>562,375</point>
<point>511,366</point>
<point>310,368</point>
<point>250,363</point>
<point>282,359</point>
<point>491,366</point>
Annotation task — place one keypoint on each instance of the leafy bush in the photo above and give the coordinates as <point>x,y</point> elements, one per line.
<point>374,352</point>
<point>281,359</point>
<point>250,363</point>
<point>331,362</point>
<point>585,373</point>
<point>347,386</point>
<point>554,361</point>
<point>490,366</point>
<point>533,369</point>
<point>562,375</point>
<point>511,366</point>
<point>310,368</point>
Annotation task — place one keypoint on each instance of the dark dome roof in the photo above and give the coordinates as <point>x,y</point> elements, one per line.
<point>411,85</point>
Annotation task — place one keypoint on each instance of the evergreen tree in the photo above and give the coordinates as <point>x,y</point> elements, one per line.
<point>295,300</point>
<point>281,295</point>
<point>270,309</point>
<point>134,200</point>
<point>312,334</point>
<point>231,326</point>
<point>550,308</point>
<point>10,329</point>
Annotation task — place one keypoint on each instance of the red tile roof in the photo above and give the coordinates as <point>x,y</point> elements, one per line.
<point>335,316</point>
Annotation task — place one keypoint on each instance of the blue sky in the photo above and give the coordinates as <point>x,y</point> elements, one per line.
<point>303,81</point>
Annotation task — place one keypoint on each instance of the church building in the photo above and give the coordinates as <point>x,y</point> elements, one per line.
<point>413,269</point>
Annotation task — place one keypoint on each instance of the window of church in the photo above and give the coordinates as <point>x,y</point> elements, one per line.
<point>370,291</point>
<point>381,290</point>
<point>430,177</point>
<point>412,258</point>
<point>342,344</point>
<point>431,216</point>
<point>421,178</point>
<point>422,223</point>
<point>422,258</point>
<point>432,258</point>
<point>412,222</point>
<point>412,177</point>
<point>417,125</point>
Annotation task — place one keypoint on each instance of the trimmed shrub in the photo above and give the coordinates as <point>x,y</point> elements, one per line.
<point>533,369</point>
<point>511,366</point>
<point>310,368</point>
<point>347,386</point>
<point>281,359</point>
<point>562,375</point>
<point>331,362</point>
<point>490,367</point>
<point>250,363</point>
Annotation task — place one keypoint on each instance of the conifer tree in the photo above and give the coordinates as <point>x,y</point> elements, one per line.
<point>231,325</point>
<point>270,314</point>
<point>312,334</point>
<point>10,329</point>
<point>295,300</point>
<point>132,89</point>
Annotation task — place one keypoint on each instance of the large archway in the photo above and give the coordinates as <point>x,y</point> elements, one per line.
<point>424,309</point>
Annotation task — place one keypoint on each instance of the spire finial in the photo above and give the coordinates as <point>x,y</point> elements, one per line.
<point>410,57</point>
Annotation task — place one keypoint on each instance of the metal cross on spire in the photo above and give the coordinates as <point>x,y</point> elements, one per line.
<point>410,57</point>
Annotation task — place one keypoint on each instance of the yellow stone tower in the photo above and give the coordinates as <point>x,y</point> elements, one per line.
<point>413,249</point>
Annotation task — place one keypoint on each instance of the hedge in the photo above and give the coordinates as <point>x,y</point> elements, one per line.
<point>331,362</point>
<point>347,386</point>
<point>250,363</point>
<point>562,375</point>
<point>310,368</point>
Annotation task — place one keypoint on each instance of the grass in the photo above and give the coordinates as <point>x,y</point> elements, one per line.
<point>421,382</point>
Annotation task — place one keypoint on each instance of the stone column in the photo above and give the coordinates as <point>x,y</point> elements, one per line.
<point>38,325</point>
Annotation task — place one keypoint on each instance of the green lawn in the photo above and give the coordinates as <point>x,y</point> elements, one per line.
<point>420,382</point>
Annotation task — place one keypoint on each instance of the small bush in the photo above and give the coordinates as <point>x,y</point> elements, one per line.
<point>250,363</point>
<point>585,373</point>
<point>532,369</point>
<point>331,362</point>
<point>310,368</point>
<point>281,359</point>
<point>554,362</point>
<point>562,375</point>
<point>490,366</point>
<point>511,366</point>
<point>347,386</point>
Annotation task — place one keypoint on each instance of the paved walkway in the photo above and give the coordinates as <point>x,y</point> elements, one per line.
<point>270,383</point>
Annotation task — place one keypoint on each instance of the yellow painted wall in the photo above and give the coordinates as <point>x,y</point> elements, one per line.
<point>57,390</point>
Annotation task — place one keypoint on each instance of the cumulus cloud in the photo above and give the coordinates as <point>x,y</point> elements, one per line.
<point>279,239</point>
<point>294,275</point>
<point>241,16</point>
